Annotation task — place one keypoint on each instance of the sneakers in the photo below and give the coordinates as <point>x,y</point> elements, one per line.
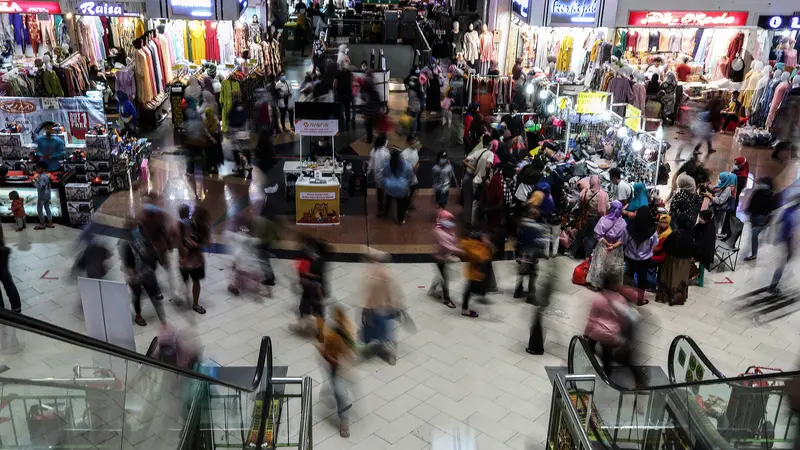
<point>750,258</point>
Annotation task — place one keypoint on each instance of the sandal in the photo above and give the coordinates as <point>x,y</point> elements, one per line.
<point>471,314</point>
<point>199,309</point>
<point>449,304</point>
<point>39,227</point>
<point>642,302</point>
<point>139,320</point>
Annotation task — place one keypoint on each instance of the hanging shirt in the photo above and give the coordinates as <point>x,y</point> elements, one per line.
<point>225,38</point>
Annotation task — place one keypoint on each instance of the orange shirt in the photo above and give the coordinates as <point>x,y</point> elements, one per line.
<point>476,253</point>
<point>682,72</point>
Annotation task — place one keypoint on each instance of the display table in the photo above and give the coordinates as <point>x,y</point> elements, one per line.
<point>16,180</point>
<point>317,201</point>
<point>296,168</point>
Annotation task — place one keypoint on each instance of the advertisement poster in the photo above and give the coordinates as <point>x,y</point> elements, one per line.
<point>633,117</point>
<point>687,18</point>
<point>572,13</point>
<point>317,205</point>
<point>312,127</point>
<point>591,102</point>
<point>76,114</point>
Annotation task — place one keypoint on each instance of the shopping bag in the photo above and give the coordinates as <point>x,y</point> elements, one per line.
<point>405,121</point>
<point>581,272</point>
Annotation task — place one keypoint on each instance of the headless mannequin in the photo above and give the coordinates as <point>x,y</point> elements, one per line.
<point>254,30</point>
<point>761,85</point>
<point>471,46</point>
<point>453,40</point>
<point>486,49</point>
<point>750,83</point>
<point>777,98</point>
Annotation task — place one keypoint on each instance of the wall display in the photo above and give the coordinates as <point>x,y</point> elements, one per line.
<point>30,7</point>
<point>104,9</point>
<point>29,196</point>
<point>76,114</point>
<point>779,22</point>
<point>574,12</point>
<point>687,18</point>
<point>521,8</point>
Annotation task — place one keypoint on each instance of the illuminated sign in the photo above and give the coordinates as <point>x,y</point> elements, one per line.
<point>574,12</point>
<point>192,9</point>
<point>687,19</point>
<point>779,22</point>
<point>103,9</point>
<point>30,7</point>
<point>521,8</point>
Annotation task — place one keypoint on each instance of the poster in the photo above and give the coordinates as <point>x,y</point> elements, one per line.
<point>76,114</point>
<point>633,118</point>
<point>591,102</point>
<point>317,204</point>
<point>313,127</point>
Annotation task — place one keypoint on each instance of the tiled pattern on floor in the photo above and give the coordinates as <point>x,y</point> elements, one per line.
<point>452,373</point>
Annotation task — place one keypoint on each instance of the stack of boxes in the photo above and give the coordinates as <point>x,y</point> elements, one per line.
<point>14,146</point>
<point>79,203</point>
<point>98,163</point>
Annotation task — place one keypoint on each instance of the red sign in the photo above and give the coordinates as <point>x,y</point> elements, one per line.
<point>687,19</point>
<point>78,123</point>
<point>30,7</point>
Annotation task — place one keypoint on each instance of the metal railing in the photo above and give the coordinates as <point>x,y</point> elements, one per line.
<point>283,417</point>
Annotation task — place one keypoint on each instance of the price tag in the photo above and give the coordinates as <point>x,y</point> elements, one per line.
<point>49,103</point>
<point>229,66</point>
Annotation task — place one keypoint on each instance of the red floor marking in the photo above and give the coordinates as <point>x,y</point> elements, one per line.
<point>727,281</point>
<point>45,277</point>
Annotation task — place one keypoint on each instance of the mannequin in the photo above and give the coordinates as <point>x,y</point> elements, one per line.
<point>749,83</point>
<point>777,98</point>
<point>486,48</point>
<point>761,85</point>
<point>254,30</point>
<point>453,41</point>
<point>471,43</point>
<point>142,71</point>
<point>766,100</point>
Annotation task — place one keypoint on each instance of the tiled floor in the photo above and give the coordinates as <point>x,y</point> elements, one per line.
<point>452,372</point>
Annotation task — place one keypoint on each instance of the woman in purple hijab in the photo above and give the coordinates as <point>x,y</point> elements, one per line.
<point>608,260</point>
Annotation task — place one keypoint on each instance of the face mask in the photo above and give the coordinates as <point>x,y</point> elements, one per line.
<point>735,167</point>
<point>442,161</point>
<point>447,224</point>
<point>283,78</point>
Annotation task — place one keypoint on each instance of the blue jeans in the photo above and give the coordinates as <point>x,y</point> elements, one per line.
<point>416,118</point>
<point>376,326</point>
<point>44,204</point>
<point>441,197</point>
<point>759,224</point>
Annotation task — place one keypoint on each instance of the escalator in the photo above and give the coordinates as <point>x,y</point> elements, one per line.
<point>696,408</point>
<point>63,390</point>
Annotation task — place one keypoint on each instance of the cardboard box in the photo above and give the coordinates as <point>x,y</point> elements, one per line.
<point>14,139</point>
<point>104,188</point>
<point>80,218</point>
<point>80,206</point>
<point>15,152</point>
<point>78,191</point>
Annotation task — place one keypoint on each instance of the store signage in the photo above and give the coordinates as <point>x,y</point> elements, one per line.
<point>574,12</point>
<point>779,22</point>
<point>687,18</point>
<point>197,9</point>
<point>591,102</point>
<point>104,9</point>
<point>521,8</point>
<point>30,7</point>
<point>309,127</point>
<point>633,117</point>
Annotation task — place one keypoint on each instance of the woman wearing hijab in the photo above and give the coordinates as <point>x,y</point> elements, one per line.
<point>668,86</point>
<point>653,86</point>
<point>638,200</point>
<point>664,229</point>
<point>608,260</point>
<point>741,168</point>
<point>214,155</point>
<point>639,244</point>
<point>704,238</point>
<point>593,206</point>
<point>723,200</point>
<point>675,271</point>
<point>686,201</point>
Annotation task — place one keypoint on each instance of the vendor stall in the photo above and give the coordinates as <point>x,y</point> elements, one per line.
<point>317,189</point>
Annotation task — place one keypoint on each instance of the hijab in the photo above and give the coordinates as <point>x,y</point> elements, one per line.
<point>664,234</point>
<point>741,167</point>
<point>612,225</point>
<point>547,205</point>
<point>686,184</point>
<point>639,199</point>
<point>641,227</point>
<point>653,86</point>
<point>726,179</point>
<point>680,242</point>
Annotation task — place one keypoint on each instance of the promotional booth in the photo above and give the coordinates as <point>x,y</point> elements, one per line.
<point>317,189</point>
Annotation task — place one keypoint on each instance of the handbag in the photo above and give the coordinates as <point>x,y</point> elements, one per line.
<point>581,272</point>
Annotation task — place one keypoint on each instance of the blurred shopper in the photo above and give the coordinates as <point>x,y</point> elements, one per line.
<point>42,182</point>
<point>380,308</point>
<point>411,156</point>
<point>343,91</point>
<point>641,239</point>
<point>532,234</point>
<point>702,131</point>
<point>267,229</point>
<point>447,105</point>
<point>240,134</point>
<point>139,265</point>
<point>675,271</point>
<point>246,267</point>
<point>763,202</point>
<point>7,279</point>
<point>704,236</point>
<point>741,168</point>
<point>371,106</point>
<point>723,200</point>
<point>337,347</point>
<point>152,223</point>
<point>790,218</point>
<point>446,251</point>
<point>378,158</point>
<point>443,176</point>
<point>608,259</point>
<point>593,206</point>
<point>397,176</point>
<point>787,123</point>
<point>214,157</point>
<point>416,98</point>
<point>477,252</point>
<point>193,234</point>
<point>285,97</point>
<point>310,269</point>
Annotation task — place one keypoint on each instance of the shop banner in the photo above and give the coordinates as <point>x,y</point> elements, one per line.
<point>633,118</point>
<point>311,127</point>
<point>591,102</point>
<point>779,22</point>
<point>104,9</point>
<point>574,13</point>
<point>76,114</point>
<point>30,7</point>
<point>521,8</point>
<point>687,18</point>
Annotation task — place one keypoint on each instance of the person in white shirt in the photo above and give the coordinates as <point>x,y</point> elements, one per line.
<point>482,162</point>
<point>377,161</point>
<point>411,155</point>
<point>467,186</point>
<point>622,190</point>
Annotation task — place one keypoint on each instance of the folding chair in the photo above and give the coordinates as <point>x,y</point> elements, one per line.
<point>726,253</point>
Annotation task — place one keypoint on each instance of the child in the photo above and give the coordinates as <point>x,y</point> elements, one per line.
<point>42,182</point>
<point>447,114</point>
<point>18,208</point>
<point>442,174</point>
<point>478,254</point>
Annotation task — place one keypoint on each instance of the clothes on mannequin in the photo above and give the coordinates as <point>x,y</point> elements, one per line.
<point>471,45</point>
<point>486,48</point>
<point>254,30</point>
<point>750,83</point>
<point>453,41</point>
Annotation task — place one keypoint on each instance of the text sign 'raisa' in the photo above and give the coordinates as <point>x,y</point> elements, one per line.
<point>574,12</point>
<point>104,9</point>
<point>779,22</point>
<point>521,8</point>
<point>687,19</point>
<point>30,7</point>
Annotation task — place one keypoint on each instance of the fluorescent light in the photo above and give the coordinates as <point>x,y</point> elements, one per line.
<point>551,108</point>
<point>543,94</point>
<point>637,145</point>
<point>201,14</point>
<point>582,19</point>
<point>622,132</point>
<point>529,89</point>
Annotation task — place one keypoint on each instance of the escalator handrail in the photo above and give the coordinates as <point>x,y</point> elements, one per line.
<point>700,354</point>
<point>599,372</point>
<point>39,327</point>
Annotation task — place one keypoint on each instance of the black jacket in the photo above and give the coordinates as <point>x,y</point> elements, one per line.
<point>762,202</point>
